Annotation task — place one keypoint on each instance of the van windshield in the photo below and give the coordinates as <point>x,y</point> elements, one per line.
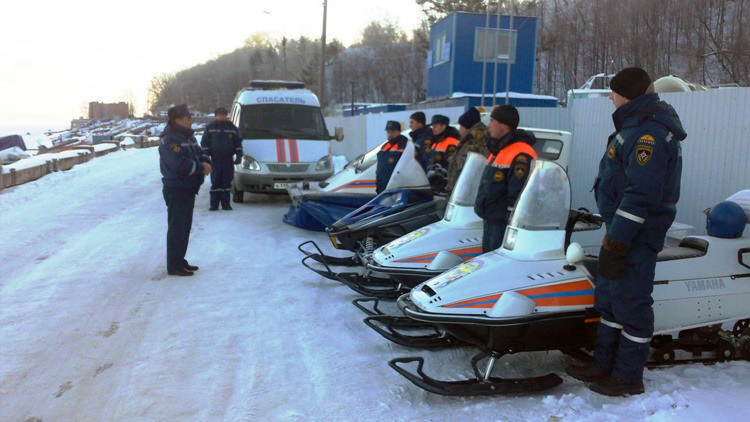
<point>263,121</point>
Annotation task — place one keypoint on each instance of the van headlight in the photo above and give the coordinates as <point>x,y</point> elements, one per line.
<point>323,164</point>
<point>510,239</point>
<point>249,163</point>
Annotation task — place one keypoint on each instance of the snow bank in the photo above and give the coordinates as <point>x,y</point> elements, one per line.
<point>104,147</point>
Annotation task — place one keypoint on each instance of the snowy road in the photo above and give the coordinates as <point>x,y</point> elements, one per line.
<point>92,329</point>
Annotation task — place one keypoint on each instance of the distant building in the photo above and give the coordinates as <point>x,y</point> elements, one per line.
<point>79,122</point>
<point>111,111</point>
<point>463,47</point>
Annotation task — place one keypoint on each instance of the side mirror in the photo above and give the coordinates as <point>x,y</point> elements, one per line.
<point>574,254</point>
<point>339,134</point>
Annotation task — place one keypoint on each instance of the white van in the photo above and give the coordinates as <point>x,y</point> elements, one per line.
<point>284,137</point>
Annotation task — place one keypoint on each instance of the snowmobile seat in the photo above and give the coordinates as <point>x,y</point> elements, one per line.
<point>689,247</point>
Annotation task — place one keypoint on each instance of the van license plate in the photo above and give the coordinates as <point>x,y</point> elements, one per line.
<point>280,185</point>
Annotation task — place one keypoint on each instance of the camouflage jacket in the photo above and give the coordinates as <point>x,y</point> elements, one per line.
<point>474,141</point>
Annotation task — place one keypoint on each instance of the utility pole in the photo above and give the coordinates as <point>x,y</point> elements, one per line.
<point>510,50</point>
<point>484,49</point>
<point>323,56</point>
<point>497,32</point>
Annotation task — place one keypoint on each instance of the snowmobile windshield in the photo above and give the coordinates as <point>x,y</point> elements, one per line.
<point>264,121</point>
<point>544,203</point>
<point>467,186</point>
<point>366,160</point>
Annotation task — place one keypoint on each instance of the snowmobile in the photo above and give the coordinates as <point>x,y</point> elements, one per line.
<point>317,205</point>
<point>406,205</point>
<point>534,294</point>
<point>431,250</point>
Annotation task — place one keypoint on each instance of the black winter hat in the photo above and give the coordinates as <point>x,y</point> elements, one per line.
<point>631,82</point>
<point>440,119</point>
<point>470,118</point>
<point>393,125</point>
<point>220,110</point>
<point>178,111</point>
<point>419,117</point>
<point>506,114</point>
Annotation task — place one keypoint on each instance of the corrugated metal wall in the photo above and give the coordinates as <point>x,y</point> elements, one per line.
<point>716,153</point>
<point>362,133</point>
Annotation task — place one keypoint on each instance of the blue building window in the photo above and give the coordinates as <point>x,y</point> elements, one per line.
<point>495,45</point>
<point>441,50</point>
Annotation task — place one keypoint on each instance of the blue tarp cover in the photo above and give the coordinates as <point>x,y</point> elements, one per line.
<point>11,141</point>
<point>317,214</point>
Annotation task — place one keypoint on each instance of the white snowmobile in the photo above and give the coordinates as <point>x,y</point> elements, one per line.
<point>530,295</point>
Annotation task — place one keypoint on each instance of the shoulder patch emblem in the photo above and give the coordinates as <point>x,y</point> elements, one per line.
<point>647,139</point>
<point>427,143</point>
<point>611,152</point>
<point>643,154</point>
<point>427,150</point>
<point>498,176</point>
<point>391,160</point>
<point>520,170</point>
<point>522,158</point>
<point>176,148</point>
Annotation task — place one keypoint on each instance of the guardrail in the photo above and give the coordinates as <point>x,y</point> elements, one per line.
<point>18,173</point>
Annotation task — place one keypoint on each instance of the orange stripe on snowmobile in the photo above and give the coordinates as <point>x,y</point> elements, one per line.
<point>576,293</point>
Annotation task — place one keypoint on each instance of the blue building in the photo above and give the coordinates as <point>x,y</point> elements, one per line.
<point>460,45</point>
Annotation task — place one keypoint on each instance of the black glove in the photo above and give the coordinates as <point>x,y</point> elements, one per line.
<point>238,160</point>
<point>612,259</point>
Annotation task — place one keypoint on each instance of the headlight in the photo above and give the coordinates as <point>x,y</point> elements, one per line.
<point>510,239</point>
<point>249,163</point>
<point>323,164</point>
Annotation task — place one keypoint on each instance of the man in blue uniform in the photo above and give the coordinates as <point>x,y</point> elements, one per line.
<point>221,140</point>
<point>389,155</point>
<point>636,192</point>
<point>421,135</point>
<point>511,152</point>
<point>445,141</point>
<point>183,168</point>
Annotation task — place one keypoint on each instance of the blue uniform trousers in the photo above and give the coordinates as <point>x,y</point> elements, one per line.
<point>492,235</point>
<point>180,205</point>
<point>221,181</point>
<point>627,315</point>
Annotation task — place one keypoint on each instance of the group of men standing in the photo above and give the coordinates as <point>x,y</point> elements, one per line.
<point>636,191</point>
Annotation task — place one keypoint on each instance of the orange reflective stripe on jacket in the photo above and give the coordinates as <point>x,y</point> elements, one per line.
<point>444,144</point>
<point>391,147</point>
<point>506,155</point>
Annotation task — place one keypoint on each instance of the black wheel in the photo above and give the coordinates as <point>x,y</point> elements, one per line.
<point>237,195</point>
<point>745,350</point>
<point>664,357</point>
<point>660,341</point>
<point>725,353</point>
<point>740,326</point>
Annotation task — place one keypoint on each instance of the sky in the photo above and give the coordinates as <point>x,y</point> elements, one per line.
<point>57,56</point>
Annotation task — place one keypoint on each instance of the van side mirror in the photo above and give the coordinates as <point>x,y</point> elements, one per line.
<point>339,134</point>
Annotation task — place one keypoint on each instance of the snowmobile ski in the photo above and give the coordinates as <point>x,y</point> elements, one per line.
<point>319,256</point>
<point>482,385</point>
<point>392,327</point>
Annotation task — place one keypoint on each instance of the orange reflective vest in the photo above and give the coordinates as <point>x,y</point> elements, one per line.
<point>443,145</point>
<point>505,157</point>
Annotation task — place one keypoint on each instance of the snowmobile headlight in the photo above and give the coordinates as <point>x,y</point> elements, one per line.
<point>249,163</point>
<point>323,164</point>
<point>510,239</point>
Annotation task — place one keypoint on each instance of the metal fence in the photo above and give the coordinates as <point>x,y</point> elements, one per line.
<point>716,153</point>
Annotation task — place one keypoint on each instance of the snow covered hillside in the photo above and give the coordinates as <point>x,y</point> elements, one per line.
<point>92,329</point>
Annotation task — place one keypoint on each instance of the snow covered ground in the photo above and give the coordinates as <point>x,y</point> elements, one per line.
<point>92,329</point>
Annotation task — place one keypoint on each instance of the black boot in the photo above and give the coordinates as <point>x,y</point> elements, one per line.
<point>190,267</point>
<point>584,371</point>
<point>615,387</point>
<point>226,208</point>
<point>213,208</point>
<point>180,273</point>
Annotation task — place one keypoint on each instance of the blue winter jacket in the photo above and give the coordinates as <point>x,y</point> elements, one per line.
<point>388,157</point>
<point>639,175</point>
<point>180,159</point>
<point>221,140</point>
